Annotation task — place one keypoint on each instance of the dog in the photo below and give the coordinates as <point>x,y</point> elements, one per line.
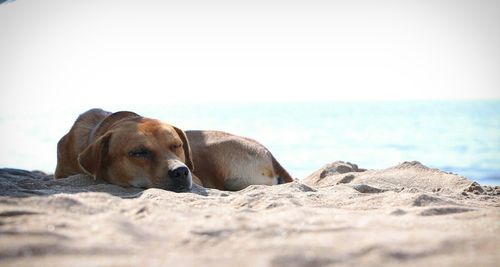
<point>127,149</point>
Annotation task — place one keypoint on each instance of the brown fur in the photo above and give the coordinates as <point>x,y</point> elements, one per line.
<point>228,162</point>
<point>100,143</point>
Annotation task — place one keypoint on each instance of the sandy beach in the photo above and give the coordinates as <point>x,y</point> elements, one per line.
<point>340,215</point>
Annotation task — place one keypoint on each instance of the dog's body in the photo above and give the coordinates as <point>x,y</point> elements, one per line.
<point>229,162</point>
<point>126,149</point>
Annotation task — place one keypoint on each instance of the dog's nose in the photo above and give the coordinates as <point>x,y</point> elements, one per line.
<point>181,180</point>
<point>178,173</point>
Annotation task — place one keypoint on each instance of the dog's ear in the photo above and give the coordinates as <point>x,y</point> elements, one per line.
<point>93,159</point>
<point>186,147</point>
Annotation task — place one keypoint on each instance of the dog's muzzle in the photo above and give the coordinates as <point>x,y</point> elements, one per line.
<point>181,180</point>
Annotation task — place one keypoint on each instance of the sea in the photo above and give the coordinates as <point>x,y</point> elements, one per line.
<point>461,137</point>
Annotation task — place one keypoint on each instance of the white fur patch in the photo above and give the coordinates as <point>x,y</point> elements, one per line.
<point>237,183</point>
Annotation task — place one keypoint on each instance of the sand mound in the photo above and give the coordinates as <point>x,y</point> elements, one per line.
<point>340,215</point>
<point>409,176</point>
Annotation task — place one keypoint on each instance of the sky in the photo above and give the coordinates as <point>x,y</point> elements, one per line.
<point>94,53</point>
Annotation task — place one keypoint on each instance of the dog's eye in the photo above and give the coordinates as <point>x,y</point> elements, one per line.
<point>140,153</point>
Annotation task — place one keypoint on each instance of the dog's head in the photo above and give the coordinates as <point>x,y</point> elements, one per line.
<point>140,152</point>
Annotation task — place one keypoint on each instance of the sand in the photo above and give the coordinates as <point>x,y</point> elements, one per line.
<point>341,215</point>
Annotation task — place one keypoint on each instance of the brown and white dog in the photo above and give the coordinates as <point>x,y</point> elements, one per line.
<point>126,149</point>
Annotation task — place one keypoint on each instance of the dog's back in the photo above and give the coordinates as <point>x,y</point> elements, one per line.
<point>75,141</point>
